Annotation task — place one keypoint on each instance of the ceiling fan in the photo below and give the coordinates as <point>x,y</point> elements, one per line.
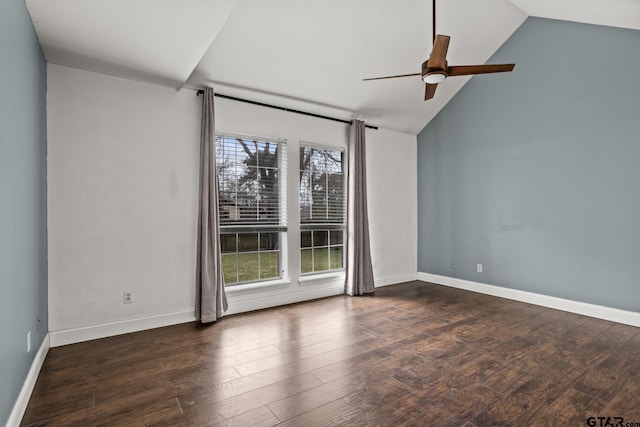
<point>435,69</point>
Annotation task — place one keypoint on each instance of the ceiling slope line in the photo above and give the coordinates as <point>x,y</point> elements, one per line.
<point>220,24</point>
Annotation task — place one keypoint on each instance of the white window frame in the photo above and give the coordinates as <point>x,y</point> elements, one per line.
<point>309,276</point>
<point>281,228</point>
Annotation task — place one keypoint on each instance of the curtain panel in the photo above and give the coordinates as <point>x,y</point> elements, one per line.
<point>359,270</point>
<point>211,299</point>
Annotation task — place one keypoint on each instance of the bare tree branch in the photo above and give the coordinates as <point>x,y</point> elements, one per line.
<point>245,148</point>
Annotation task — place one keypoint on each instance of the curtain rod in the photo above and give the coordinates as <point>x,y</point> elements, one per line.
<point>261,104</point>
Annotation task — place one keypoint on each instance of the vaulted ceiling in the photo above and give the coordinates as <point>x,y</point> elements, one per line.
<point>309,55</point>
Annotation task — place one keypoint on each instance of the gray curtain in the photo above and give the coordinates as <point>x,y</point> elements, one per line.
<point>359,269</point>
<point>211,299</point>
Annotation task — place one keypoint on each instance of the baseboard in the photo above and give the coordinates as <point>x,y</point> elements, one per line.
<point>394,280</point>
<point>583,308</point>
<point>74,335</point>
<point>29,383</point>
<point>238,303</point>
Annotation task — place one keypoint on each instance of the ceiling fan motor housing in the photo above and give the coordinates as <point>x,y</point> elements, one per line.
<point>432,75</point>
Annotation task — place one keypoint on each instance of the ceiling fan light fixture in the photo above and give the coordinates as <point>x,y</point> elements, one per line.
<point>436,69</point>
<point>434,78</point>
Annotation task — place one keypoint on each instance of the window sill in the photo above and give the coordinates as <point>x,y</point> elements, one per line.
<point>256,287</point>
<point>314,279</point>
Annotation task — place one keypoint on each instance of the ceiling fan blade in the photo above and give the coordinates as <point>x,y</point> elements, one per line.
<point>438,58</point>
<point>393,77</point>
<point>466,70</point>
<point>429,91</point>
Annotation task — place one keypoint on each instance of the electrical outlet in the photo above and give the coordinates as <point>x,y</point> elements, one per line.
<point>479,268</point>
<point>29,342</point>
<point>453,265</point>
<point>128,297</point>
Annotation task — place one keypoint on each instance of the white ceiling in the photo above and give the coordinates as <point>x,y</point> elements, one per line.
<point>160,41</point>
<point>304,54</point>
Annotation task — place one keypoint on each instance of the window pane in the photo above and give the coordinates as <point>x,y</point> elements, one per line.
<point>322,201</point>
<point>318,196</point>
<point>305,239</point>
<point>228,242</point>
<point>247,242</point>
<point>306,261</point>
<point>320,238</point>
<point>248,270</point>
<point>229,268</point>
<point>260,149</point>
<point>320,259</point>
<point>335,196</point>
<point>336,260</point>
<point>249,172</point>
<point>269,268</point>
<point>337,237</point>
<point>322,186</point>
<point>305,198</point>
<point>248,175</point>
<point>229,212</point>
<point>268,197</point>
<point>269,241</point>
<point>248,213</point>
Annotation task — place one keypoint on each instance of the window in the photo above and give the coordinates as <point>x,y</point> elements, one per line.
<point>251,173</point>
<point>322,209</point>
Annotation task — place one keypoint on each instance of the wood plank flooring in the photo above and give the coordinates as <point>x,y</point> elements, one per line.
<point>415,354</point>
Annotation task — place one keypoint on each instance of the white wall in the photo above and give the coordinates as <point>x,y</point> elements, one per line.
<point>122,188</point>
<point>392,202</point>
<point>122,195</point>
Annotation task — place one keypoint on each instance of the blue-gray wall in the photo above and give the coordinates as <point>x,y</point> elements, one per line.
<point>536,173</point>
<point>23,236</point>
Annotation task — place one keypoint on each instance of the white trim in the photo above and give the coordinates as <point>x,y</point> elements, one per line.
<point>592,310</point>
<point>223,133</point>
<point>29,383</point>
<point>259,302</point>
<point>86,333</point>
<point>335,277</point>
<point>393,280</point>
<point>321,146</point>
<point>247,288</point>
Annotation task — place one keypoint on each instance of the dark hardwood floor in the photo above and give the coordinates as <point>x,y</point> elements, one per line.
<point>413,354</point>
